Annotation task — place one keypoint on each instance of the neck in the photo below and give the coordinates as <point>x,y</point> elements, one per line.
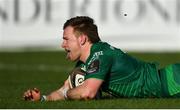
<point>85,52</point>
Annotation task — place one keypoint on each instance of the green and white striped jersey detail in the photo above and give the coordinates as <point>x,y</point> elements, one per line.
<point>172,73</point>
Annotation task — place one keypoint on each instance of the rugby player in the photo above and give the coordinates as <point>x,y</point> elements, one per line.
<point>109,68</point>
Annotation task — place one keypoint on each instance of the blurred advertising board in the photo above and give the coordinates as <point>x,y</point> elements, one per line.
<point>132,25</point>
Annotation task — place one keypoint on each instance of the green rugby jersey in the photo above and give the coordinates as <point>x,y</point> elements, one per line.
<point>122,75</point>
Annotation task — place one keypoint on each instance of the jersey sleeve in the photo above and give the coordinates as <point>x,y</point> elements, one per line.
<point>99,68</point>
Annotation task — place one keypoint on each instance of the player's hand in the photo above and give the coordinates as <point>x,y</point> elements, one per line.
<point>32,95</point>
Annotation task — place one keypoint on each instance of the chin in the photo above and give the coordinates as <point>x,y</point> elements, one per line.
<point>75,59</point>
<point>71,59</point>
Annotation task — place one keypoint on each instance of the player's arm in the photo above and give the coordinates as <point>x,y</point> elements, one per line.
<point>35,95</point>
<point>85,91</point>
<point>58,94</point>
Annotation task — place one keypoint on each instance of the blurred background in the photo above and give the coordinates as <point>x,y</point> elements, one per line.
<point>31,34</point>
<point>132,25</point>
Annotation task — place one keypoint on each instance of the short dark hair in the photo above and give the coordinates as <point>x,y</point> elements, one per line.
<point>84,25</point>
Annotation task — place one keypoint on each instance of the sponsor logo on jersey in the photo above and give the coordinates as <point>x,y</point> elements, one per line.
<point>93,67</point>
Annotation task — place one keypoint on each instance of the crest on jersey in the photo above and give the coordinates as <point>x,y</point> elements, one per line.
<point>93,67</point>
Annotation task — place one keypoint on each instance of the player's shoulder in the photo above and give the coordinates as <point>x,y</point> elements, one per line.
<point>105,49</point>
<point>100,46</point>
<point>99,51</point>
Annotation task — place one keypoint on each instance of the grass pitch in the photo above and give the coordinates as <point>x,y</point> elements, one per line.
<point>47,71</point>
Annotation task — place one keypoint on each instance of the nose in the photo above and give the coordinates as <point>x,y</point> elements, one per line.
<point>63,44</point>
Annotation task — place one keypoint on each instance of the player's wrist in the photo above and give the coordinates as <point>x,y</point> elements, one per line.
<point>43,98</point>
<point>65,90</point>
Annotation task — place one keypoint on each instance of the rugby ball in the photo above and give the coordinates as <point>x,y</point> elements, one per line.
<point>76,77</point>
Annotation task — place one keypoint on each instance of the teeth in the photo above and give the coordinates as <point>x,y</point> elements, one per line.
<point>67,50</point>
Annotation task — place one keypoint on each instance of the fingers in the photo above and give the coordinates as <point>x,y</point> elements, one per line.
<point>31,94</point>
<point>36,90</point>
<point>28,95</point>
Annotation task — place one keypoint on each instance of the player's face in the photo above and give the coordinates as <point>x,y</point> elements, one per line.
<point>71,44</point>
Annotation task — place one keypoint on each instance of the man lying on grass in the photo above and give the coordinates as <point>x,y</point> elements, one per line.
<point>108,68</point>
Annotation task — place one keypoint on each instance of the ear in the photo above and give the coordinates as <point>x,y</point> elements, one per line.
<point>82,39</point>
